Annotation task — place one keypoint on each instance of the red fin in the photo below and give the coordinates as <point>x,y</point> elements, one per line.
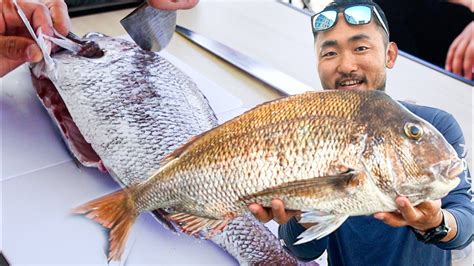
<point>116,212</point>
<point>192,225</point>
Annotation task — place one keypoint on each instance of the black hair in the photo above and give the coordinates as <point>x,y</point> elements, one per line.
<point>343,3</point>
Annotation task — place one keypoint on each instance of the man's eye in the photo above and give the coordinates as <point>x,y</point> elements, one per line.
<point>361,48</point>
<point>328,54</point>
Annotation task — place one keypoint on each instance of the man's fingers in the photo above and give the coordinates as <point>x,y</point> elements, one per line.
<point>429,206</point>
<point>391,218</point>
<point>19,48</point>
<point>260,213</point>
<point>276,212</point>
<point>458,57</point>
<point>468,65</point>
<point>7,65</point>
<point>449,58</point>
<point>279,213</point>
<point>430,215</point>
<point>451,51</point>
<point>172,4</point>
<point>37,14</point>
<point>60,16</point>
<point>406,209</point>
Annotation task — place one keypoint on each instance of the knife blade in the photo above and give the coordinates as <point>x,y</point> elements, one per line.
<point>260,71</point>
<point>150,28</point>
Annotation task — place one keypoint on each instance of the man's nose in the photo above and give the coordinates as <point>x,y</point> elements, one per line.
<point>347,64</point>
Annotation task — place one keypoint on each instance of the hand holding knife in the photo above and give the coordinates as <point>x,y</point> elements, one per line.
<point>152,24</point>
<point>152,30</point>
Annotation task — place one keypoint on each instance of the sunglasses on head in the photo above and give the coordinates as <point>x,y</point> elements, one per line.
<point>354,15</point>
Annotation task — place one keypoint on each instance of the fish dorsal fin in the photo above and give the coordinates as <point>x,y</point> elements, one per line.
<point>312,186</point>
<point>180,150</point>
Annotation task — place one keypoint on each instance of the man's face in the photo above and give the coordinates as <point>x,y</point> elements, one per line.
<point>353,56</point>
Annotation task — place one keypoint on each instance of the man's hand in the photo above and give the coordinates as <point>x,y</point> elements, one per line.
<point>277,212</point>
<point>59,15</point>
<point>425,216</point>
<point>172,4</point>
<point>16,45</point>
<point>460,58</point>
<point>422,217</point>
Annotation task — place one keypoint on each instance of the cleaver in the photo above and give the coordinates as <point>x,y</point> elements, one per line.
<point>150,28</point>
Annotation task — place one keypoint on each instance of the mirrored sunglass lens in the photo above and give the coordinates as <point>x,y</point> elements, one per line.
<point>324,20</point>
<point>358,15</point>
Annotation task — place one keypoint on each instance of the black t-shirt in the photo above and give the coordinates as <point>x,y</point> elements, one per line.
<point>425,28</point>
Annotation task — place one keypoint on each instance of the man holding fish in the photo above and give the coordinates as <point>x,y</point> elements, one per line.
<point>353,52</point>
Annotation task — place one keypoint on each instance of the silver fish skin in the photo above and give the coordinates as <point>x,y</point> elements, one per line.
<point>131,106</point>
<point>124,111</point>
<point>238,235</point>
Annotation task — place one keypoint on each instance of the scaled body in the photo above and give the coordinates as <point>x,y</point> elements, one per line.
<point>331,154</point>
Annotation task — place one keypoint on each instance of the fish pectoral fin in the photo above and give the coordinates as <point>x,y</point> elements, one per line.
<point>325,225</point>
<point>193,225</point>
<point>317,186</point>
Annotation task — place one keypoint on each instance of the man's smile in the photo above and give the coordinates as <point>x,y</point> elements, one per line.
<point>349,83</point>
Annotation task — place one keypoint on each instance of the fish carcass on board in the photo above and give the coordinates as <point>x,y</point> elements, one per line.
<point>123,109</point>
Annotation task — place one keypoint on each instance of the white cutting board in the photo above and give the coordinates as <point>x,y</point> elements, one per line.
<point>40,184</point>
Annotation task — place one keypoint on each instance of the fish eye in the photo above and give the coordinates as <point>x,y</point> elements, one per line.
<point>413,131</point>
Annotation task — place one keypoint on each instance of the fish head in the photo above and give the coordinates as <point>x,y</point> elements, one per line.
<point>413,157</point>
<point>428,166</point>
<point>434,167</point>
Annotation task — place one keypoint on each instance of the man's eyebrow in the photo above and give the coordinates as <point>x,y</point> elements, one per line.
<point>359,37</point>
<point>328,43</point>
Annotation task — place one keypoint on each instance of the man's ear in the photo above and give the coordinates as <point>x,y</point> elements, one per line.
<point>392,53</point>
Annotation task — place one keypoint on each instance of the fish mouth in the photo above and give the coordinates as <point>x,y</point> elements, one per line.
<point>443,178</point>
<point>449,169</point>
<point>350,83</point>
<point>456,168</point>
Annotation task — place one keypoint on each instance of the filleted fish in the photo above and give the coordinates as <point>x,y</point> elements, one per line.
<point>121,109</point>
<point>330,154</point>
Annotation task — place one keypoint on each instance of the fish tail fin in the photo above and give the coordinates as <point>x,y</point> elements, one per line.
<point>116,212</point>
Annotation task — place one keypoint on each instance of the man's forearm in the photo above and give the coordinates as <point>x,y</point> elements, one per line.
<point>452,224</point>
<point>460,220</point>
